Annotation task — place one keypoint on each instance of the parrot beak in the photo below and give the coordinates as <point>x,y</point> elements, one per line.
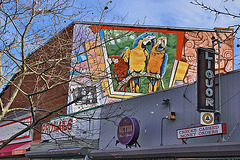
<point>115,60</point>
<point>112,60</point>
<point>162,43</point>
<point>154,41</point>
<point>109,60</point>
<point>148,39</point>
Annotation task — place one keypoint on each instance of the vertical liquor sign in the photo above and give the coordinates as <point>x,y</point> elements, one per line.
<point>206,80</point>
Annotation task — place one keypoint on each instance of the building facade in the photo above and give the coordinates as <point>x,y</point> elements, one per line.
<point>112,71</point>
<point>159,136</point>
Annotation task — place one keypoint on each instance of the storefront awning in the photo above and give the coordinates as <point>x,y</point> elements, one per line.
<point>70,152</point>
<point>208,150</point>
<point>62,149</point>
<point>22,149</point>
<point>16,149</point>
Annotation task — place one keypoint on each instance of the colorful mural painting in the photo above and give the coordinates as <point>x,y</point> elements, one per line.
<point>112,63</point>
<point>195,39</point>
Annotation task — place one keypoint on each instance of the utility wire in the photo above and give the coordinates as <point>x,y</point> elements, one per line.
<point>184,95</point>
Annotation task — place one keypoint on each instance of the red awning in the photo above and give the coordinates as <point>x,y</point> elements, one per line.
<point>22,149</point>
<point>16,149</point>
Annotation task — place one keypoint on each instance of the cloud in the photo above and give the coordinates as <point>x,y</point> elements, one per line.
<point>177,13</point>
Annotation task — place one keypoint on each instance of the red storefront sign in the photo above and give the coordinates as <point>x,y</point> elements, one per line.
<point>14,127</point>
<point>57,128</point>
<point>202,131</point>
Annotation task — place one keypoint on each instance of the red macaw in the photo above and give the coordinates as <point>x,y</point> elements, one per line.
<point>120,69</point>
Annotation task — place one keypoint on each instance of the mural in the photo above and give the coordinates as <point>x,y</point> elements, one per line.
<point>196,39</point>
<point>113,63</point>
<point>139,60</point>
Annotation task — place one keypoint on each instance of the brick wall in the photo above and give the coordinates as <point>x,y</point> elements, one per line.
<point>42,61</point>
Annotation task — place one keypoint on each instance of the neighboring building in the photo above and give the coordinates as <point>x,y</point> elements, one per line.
<point>47,101</point>
<point>115,63</point>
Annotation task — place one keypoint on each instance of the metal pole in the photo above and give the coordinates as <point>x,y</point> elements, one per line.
<point>219,84</point>
<point>222,139</point>
<point>219,81</point>
<point>219,75</point>
<point>162,130</point>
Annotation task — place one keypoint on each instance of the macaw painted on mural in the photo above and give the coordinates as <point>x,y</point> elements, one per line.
<point>137,58</point>
<point>157,63</point>
<point>120,69</point>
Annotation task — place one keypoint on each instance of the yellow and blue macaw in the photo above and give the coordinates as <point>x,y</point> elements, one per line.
<point>137,57</point>
<point>157,63</point>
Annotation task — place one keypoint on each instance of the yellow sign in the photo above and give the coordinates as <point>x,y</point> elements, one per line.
<point>207,118</point>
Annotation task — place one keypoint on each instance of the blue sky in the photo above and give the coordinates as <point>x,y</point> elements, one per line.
<point>173,12</point>
<point>177,13</point>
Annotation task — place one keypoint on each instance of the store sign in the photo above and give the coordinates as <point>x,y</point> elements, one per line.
<point>202,131</point>
<point>57,128</point>
<point>13,127</point>
<point>128,131</point>
<point>207,118</point>
<point>206,80</point>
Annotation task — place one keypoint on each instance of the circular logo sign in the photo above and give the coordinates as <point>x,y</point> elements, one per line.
<point>128,131</point>
<point>207,118</point>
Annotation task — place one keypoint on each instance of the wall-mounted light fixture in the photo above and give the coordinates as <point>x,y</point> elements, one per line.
<point>166,102</point>
<point>171,115</point>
